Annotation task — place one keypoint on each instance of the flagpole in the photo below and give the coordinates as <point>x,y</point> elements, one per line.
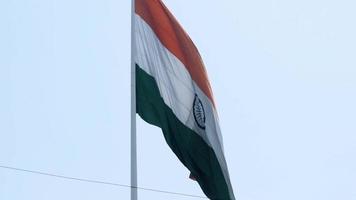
<point>133,109</point>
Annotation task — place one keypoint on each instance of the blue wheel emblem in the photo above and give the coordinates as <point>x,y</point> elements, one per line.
<point>198,112</point>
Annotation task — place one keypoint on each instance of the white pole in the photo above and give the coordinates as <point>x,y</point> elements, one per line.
<point>133,109</point>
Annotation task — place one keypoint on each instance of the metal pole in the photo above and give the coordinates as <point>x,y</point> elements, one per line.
<point>133,109</point>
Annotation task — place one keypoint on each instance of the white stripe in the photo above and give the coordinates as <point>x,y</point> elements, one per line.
<point>177,88</point>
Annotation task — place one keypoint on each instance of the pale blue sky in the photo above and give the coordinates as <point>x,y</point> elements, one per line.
<point>283,74</point>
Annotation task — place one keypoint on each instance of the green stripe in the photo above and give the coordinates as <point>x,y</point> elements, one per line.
<point>188,146</point>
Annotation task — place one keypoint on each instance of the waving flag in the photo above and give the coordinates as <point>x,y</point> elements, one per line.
<point>173,93</point>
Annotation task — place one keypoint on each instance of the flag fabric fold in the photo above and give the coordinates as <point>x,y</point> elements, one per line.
<point>173,93</point>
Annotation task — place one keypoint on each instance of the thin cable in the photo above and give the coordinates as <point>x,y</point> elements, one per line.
<point>98,182</point>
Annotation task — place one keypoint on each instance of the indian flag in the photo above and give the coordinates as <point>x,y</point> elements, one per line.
<point>173,93</point>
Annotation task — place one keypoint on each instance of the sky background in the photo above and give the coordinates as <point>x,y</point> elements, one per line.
<point>283,75</point>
